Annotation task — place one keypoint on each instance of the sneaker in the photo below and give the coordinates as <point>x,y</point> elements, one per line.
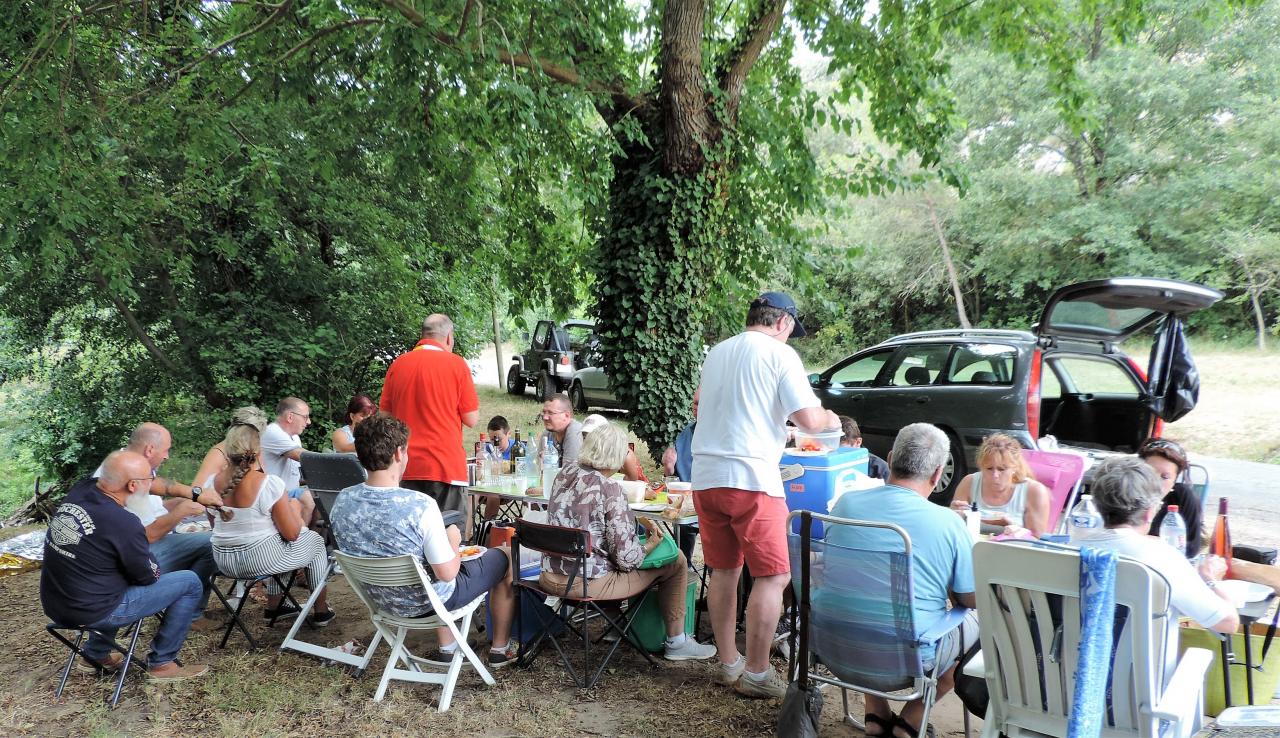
<point>440,657</point>
<point>771,687</point>
<point>321,619</point>
<point>505,657</point>
<point>110,663</point>
<point>690,650</point>
<point>171,672</point>
<point>728,674</point>
<point>284,610</point>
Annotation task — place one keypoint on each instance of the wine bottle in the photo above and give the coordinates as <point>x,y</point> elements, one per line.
<point>519,463</point>
<point>1220,544</point>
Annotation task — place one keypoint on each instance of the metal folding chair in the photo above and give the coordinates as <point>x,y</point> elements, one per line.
<point>77,649</point>
<point>234,619</point>
<point>573,545</point>
<point>855,603</point>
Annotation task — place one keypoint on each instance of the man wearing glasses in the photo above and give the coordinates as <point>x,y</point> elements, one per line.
<point>561,428</point>
<point>282,450</point>
<point>429,387</point>
<point>99,572</point>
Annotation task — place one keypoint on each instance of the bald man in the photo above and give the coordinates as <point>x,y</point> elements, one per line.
<point>430,389</point>
<point>99,572</point>
<point>160,513</point>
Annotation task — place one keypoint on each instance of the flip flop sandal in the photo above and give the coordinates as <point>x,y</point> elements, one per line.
<point>911,732</point>
<point>885,726</point>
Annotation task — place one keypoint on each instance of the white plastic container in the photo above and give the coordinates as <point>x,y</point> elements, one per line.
<point>823,442</point>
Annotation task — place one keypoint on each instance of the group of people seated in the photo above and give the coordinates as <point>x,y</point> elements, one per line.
<point>1130,494</point>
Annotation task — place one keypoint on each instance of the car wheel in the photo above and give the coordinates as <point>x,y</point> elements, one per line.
<point>578,397</point>
<point>515,381</point>
<point>545,387</point>
<point>953,470</point>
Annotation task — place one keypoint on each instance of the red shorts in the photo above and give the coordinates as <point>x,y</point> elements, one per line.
<point>738,525</point>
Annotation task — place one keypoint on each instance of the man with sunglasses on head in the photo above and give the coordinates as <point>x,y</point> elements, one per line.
<point>752,384</point>
<point>99,571</point>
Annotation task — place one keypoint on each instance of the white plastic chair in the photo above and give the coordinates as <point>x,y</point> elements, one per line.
<point>407,571</point>
<point>1029,611</point>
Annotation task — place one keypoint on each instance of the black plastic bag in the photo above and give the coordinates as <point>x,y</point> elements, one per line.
<point>972,691</point>
<point>1172,377</point>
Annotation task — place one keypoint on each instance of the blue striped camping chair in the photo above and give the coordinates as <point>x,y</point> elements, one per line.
<point>855,600</point>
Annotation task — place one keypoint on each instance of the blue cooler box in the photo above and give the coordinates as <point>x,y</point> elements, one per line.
<point>824,478</point>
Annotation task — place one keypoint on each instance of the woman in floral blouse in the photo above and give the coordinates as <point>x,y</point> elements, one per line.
<point>585,497</point>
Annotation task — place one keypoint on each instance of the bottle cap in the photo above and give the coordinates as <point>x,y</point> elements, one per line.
<point>1173,508</point>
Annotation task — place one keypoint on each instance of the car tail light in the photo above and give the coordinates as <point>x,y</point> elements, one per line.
<point>1033,397</point>
<point>1157,429</point>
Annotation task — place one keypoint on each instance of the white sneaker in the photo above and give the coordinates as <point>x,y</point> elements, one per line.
<point>772,686</point>
<point>728,674</point>
<point>690,650</point>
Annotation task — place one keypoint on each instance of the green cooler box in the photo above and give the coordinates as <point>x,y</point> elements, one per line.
<point>647,629</point>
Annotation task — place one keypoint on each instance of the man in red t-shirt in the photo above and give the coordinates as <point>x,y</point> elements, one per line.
<point>430,389</point>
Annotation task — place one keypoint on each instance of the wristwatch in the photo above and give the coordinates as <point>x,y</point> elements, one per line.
<point>195,493</point>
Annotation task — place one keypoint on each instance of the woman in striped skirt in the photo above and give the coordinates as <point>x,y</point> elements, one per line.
<point>261,531</point>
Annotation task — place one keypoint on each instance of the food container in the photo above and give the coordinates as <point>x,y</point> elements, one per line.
<point>818,442</point>
<point>634,490</point>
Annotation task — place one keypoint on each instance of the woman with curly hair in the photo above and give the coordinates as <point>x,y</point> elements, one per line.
<point>262,531</point>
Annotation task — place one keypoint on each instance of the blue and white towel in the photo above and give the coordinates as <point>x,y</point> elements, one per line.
<point>1097,620</point>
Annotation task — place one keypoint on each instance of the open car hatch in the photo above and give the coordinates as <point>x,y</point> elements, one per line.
<point>1111,310</point>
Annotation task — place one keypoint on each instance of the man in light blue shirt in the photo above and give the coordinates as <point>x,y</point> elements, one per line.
<point>941,554</point>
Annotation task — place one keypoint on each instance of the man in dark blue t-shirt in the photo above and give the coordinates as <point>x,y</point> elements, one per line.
<point>99,572</point>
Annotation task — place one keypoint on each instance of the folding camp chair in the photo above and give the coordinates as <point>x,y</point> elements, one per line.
<point>855,600</point>
<point>1029,614</point>
<point>327,475</point>
<point>1062,474</point>
<point>234,619</point>
<point>572,545</point>
<point>1198,477</point>
<point>77,649</point>
<point>406,571</point>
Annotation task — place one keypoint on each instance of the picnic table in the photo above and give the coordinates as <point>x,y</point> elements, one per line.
<point>513,502</point>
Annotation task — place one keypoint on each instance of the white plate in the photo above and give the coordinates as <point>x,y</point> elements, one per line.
<point>648,506</point>
<point>1242,592</point>
<point>476,555</point>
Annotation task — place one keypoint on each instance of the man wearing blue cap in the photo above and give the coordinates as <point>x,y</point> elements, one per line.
<point>751,385</point>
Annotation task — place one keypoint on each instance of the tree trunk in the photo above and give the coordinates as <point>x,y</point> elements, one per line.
<point>497,333</point>
<point>1259,319</point>
<point>950,264</point>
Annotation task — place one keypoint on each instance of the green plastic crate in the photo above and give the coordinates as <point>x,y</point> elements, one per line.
<point>648,630</point>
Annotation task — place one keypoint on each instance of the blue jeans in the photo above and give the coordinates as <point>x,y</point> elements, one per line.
<point>190,551</point>
<point>177,592</point>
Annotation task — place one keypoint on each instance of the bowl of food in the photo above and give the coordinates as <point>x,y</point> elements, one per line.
<point>818,443</point>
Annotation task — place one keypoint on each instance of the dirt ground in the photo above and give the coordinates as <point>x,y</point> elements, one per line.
<point>268,693</point>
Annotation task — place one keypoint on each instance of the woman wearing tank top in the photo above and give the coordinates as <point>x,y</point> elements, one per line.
<point>1004,489</point>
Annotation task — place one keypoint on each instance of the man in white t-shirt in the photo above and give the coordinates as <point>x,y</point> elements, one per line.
<point>1128,495</point>
<point>751,385</point>
<point>282,450</point>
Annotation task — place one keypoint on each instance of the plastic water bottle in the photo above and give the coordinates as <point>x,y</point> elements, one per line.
<point>1086,522</point>
<point>973,520</point>
<point>550,467</point>
<point>1173,530</point>
<point>492,462</point>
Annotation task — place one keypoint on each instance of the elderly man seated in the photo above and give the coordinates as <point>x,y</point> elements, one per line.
<point>1128,495</point>
<point>380,518</point>
<point>99,572</point>
<point>164,506</point>
<point>941,560</point>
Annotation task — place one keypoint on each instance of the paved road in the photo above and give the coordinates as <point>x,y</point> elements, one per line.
<point>1253,491</point>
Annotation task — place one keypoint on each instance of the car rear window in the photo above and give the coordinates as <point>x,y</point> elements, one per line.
<point>983,363</point>
<point>1097,376</point>
<point>916,366</point>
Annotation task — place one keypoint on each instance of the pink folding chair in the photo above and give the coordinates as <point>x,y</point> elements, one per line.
<point>1062,474</point>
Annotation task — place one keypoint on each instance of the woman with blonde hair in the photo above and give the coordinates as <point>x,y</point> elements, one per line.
<point>216,458</point>
<point>1004,489</point>
<point>262,530</point>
